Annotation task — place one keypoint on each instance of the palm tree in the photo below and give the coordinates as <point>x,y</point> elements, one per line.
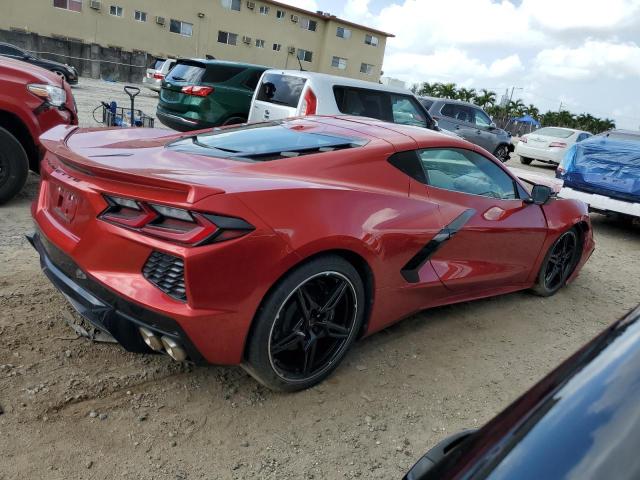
<point>532,111</point>
<point>516,107</point>
<point>486,98</point>
<point>446,90</point>
<point>466,94</point>
<point>428,89</point>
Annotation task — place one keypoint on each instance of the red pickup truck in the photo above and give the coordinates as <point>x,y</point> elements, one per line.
<point>32,100</point>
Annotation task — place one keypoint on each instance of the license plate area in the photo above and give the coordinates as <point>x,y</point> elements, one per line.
<point>63,202</point>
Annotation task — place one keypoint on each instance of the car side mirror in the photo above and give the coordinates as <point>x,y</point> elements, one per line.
<point>540,194</point>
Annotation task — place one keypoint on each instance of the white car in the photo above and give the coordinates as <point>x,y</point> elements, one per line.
<point>292,93</point>
<point>156,72</point>
<point>549,144</point>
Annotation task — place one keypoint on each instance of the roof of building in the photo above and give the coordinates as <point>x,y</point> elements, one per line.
<point>327,16</point>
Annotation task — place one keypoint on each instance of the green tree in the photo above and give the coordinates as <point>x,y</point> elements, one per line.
<point>466,94</point>
<point>446,90</point>
<point>486,98</point>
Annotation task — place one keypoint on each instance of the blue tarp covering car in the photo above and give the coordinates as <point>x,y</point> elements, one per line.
<point>607,164</point>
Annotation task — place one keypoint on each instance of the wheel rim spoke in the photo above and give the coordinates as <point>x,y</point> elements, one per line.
<point>560,261</point>
<point>313,326</point>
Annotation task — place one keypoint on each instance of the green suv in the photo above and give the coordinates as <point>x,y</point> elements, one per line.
<point>207,93</point>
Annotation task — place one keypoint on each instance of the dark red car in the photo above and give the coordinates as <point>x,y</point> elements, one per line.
<point>275,245</point>
<point>32,100</point>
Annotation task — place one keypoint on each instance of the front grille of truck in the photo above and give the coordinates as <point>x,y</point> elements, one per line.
<point>167,273</point>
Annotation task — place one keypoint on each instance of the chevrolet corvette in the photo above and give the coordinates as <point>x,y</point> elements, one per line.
<point>276,245</point>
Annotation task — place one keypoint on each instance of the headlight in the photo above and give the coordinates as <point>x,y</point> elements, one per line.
<point>55,96</point>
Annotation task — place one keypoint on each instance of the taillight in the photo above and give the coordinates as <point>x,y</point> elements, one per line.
<point>309,103</point>
<point>523,139</point>
<point>174,224</point>
<point>158,76</point>
<point>557,144</point>
<point>197,90</point>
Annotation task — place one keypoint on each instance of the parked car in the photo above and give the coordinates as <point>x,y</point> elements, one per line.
<point>292,93</point>
<point>548,144</point>
<point>157,72</point>
<point>62,69</point>
<point>604,172</point>
<point>471,123</point>
<point>275,245</point>
<point>207,93</point>
<point>32,100</point>
<point>580,421</point>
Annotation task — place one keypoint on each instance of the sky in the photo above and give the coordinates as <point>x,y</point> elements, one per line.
<point>583,54</point>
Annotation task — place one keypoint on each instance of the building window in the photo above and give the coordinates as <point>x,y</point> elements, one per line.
<point>115,10</point>
<point>339,63</point>
<point>371,40</point>
<point>140,16</point>
<point>259,43</point>
<point>73,5</point>
<point>231,4</point>
<point>280,14</point>
<point>228,38</point>
<point>180,27</point>
<point>343,32</point>
<point>308,24</point>
<point>276,47</point>
<point>305,55</point>
<point>264,10</point>
<point>366,68</point>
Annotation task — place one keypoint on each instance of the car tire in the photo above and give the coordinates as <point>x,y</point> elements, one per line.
<point>559,263</point>
<point>525,160</point>
<point>502,153</point>
<point>14,166</point>
<point>295,344</point>
<point>234,121</point>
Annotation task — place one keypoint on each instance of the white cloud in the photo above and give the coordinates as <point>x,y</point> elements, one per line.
<point>593,59</point>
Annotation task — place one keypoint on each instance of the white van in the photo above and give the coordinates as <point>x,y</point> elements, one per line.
<point>292,93</point>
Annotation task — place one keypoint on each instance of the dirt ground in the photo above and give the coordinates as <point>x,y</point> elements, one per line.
<point>72,409</point>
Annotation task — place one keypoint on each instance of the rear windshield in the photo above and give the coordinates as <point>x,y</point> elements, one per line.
<point>281,89</point>
<point>554,132</point>
<point>221,73</point>
<point>263,141</point>
<point>186,72</point>
<point>157,63</point>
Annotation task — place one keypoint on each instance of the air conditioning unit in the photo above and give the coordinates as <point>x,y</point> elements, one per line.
<point>246,39</point>
<point>291,50</point>
<point>251,5</point>
<point>294,18</point>
<point>95,4</point>
<point>160,20</point>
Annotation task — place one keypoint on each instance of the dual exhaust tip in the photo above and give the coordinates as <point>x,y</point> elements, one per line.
<point>163,344</point>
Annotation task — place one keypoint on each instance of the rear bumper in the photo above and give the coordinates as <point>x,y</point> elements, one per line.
<point>541,154</point>
<point>152,83</point>
<point>179,123</point>
<point>102,307</point>
<point>601,203</point>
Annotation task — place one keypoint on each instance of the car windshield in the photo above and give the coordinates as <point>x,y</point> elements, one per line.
<point>554,132</point>
<point>263,141</point>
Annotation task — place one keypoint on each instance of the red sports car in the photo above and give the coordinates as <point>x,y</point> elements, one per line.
<point>276,245</point>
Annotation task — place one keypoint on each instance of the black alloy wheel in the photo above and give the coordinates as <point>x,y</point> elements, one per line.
<point>306,325</point>
<point>558,264</point>
<point>14,166</point>
<point>502,153</point>
<point>313,326</point>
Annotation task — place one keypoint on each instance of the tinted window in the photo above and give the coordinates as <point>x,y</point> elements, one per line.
<point>466,172</point>
<point>252,80</point>
<point>554,132</point>
<point>221,73</point>
<point>281,89</point>
<point>386,106</point>
<point>186,72</point>
<point>263,141</point>
<point>9,50</point>
<point>462,113</point>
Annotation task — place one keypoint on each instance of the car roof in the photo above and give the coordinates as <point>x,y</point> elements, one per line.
<point>207,61</point>
<point>342,81</point>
